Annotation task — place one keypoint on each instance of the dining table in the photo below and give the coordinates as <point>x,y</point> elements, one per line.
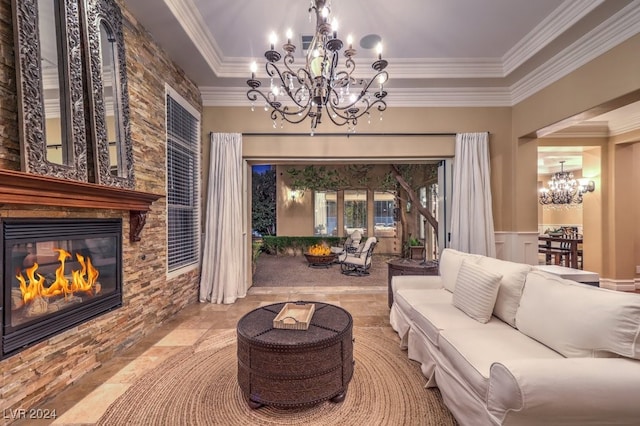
<point>551,244</point>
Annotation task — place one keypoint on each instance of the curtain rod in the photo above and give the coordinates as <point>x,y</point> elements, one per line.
<point>348,135</point>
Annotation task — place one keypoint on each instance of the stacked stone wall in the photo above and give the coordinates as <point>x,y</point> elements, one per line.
<point>149,297</point>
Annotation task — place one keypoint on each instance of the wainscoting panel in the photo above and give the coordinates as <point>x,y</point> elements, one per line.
<point>620,285</point>
<point>519,247</point>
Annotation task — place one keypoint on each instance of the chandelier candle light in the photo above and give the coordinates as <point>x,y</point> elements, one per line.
<point>564,189</point>
<point>319,86</point>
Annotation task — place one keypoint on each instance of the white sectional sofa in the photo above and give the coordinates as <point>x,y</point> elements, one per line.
<point>507,344</point>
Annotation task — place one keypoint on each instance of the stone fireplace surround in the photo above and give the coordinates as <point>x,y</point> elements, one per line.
<point>47,367</point>
<point>151,297</point>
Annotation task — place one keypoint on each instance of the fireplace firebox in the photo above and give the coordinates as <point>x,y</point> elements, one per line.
<point>57,274</point>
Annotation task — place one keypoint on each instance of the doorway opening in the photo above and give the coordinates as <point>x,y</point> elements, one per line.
<point>387,213</point>
<point>558,220</point>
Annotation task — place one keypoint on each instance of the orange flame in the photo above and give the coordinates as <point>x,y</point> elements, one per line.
<point>83,280</point>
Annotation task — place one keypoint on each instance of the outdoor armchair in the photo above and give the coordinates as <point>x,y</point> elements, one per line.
<point>358,263</point>
<point>350,244</point>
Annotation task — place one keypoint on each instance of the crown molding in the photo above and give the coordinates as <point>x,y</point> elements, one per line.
<point>234,67</point>
<point>612,32</point>
<point>604,37</point>
<point>187,14</point>
<point>399,97</point>
<point>450,97</point>
<point>629,126</point>
<point>587,129</point>
<point>563,18</point>
<point>445,68</point>
<point>629,123</point>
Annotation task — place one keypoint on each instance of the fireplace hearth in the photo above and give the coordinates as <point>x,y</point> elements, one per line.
<point>57,274</point>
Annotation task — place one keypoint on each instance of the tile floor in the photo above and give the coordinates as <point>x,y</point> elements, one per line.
<point>85,401</point>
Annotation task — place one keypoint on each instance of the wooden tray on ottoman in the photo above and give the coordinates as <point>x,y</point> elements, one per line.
<point>294,316</point>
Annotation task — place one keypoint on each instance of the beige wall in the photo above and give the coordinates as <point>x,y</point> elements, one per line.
<point>585,92</point>
<point>593,206</point>
<point>294,215</point>
<point>556,217</point>
<point>622,253</point>
<point>302,147</point>
<point>622,230</point>
<point>610,76</point>
<point>594,88</point>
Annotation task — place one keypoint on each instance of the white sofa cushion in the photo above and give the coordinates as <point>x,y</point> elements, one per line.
<point>476,290</point>
<point>579,320</point>
<point>511,286</point>
<point>449,265</point>
<point>431,318</point>
<point>471,352</point>
<point>402,282</point>
<point>407,298</point>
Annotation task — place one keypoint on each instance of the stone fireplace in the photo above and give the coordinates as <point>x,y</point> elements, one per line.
<point>149,296</point>
<point>57,274</point>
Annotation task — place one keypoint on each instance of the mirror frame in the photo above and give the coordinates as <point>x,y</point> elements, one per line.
<point>31,116</point>
<point>96,12</point>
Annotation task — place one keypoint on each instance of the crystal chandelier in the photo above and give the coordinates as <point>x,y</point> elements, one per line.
<point>564,189</point>
<point>319,87</point>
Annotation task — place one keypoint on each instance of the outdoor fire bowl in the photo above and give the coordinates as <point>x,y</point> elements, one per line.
<point>317,260</point>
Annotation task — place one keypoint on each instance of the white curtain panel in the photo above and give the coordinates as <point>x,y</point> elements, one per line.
<point>223,270</point>
<point>472,215</point>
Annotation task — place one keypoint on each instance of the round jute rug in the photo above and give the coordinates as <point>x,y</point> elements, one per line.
<point>199,386</point>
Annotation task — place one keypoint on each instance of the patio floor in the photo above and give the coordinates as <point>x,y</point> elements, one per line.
<point>294,271</point>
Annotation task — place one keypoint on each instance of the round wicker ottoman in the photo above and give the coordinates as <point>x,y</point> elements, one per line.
<point>289,368</point>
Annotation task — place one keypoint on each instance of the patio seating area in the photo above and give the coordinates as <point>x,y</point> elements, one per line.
<point>292,271</point>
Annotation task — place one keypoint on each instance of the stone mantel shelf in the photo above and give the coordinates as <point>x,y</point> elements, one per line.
<point>25,188</point>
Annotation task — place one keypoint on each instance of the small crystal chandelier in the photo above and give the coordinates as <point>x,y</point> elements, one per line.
<point>319,87</point>
<point>564,189</point>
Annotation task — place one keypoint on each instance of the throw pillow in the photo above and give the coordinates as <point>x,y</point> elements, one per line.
<point>449,266</point>
<point>511,286</point>
<point>476,291</point>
